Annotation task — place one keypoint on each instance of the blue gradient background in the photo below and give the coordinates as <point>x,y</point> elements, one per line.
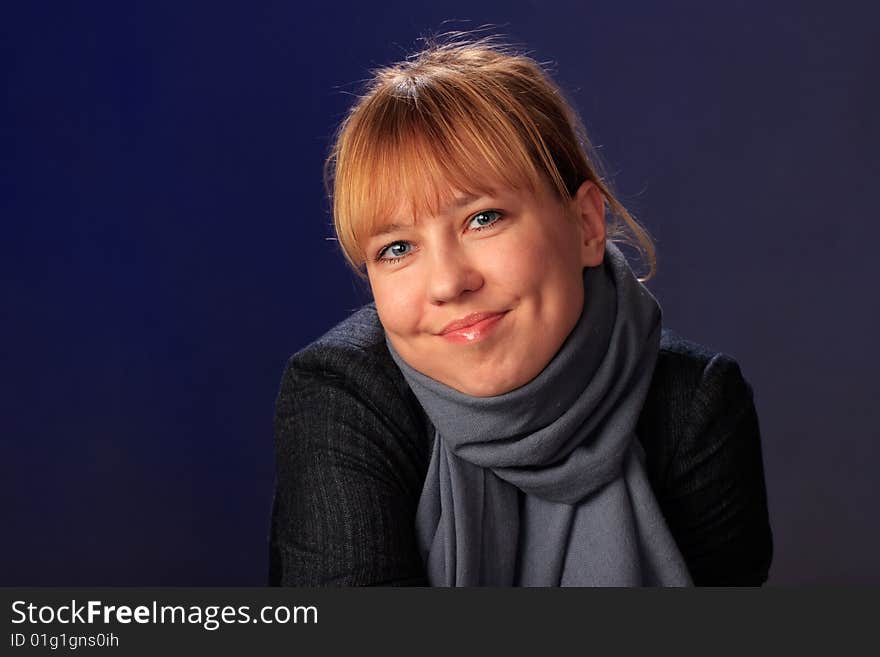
<point>164,250</point>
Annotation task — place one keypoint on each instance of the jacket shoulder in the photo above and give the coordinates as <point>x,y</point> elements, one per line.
<point>680,354</point>
<point>350,462</point>
<point>680,377</point>
<point>702,442</point>
<point>351,360</point>
<point>359,336</point>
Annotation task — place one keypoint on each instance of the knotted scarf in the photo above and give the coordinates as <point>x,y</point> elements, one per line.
<point>545,485</point>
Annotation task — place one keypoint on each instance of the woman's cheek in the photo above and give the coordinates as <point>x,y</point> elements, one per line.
<point>516,266</point>
<point>398,305</point>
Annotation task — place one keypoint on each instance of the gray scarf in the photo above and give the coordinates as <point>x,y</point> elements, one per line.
<point>545,485</point>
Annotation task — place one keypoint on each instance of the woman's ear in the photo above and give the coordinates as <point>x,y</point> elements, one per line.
<point>589,206</point>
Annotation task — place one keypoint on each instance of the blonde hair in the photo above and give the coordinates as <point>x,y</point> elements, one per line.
<point>462,115</point>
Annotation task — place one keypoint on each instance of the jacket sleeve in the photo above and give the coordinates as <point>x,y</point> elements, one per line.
<point>716,492</point>
<point>347,480</point>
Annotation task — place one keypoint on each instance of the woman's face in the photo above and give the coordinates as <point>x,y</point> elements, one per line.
<point>482,295</point>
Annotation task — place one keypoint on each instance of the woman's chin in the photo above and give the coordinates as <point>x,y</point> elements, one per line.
<point>491,385</point>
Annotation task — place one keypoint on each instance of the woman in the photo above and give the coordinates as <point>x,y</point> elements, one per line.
<point>508,410</point>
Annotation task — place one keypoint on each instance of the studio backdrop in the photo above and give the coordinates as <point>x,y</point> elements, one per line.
<point>166,248</point>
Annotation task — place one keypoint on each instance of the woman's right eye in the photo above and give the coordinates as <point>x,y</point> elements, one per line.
<point>395,251</point>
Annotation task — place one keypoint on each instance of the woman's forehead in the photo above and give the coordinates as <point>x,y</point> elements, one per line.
<point>414,209</point>
<point>403,196</point>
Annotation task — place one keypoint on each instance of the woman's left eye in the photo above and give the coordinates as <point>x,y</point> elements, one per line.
<point>484,219</point>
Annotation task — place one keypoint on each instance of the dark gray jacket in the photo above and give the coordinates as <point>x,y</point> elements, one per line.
<point>352,449</point>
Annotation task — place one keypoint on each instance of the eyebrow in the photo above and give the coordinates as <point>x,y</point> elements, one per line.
<point>455,204</point>
<point>459,202</point>
<point>389,228</point>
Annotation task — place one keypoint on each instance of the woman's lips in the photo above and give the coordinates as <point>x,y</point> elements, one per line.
<point>472,328</point>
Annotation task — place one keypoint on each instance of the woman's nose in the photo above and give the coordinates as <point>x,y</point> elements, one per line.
<point>452,274</point>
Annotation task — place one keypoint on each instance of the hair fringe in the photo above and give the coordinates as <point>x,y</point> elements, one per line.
<point>538,128</point>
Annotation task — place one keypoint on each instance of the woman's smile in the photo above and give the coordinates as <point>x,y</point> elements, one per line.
<point>472,328</point>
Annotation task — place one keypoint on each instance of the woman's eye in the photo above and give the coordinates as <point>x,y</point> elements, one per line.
<point>395,251</point>
<point>483,219</point>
